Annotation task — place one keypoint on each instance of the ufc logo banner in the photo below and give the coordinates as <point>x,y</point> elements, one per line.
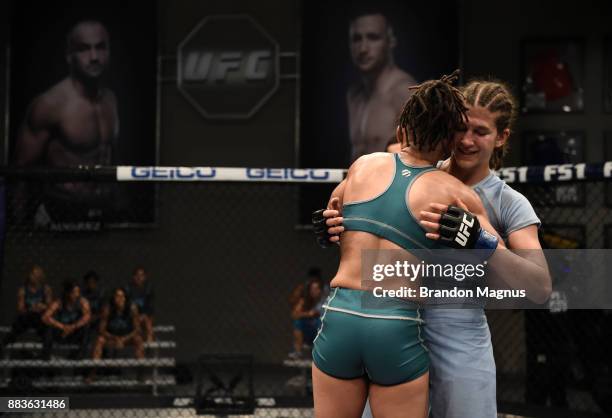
<point>228,67</point>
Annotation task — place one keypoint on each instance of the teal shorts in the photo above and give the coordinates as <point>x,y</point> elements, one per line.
<point>361,335</point>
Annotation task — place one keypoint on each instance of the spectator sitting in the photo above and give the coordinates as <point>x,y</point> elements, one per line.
<point>140,292</point>
<point>33,298</point>
<point>94,293</point>
<point>314,273</point>
<point>305,314</point>
<point>119,325</point>
<point>67,318</point>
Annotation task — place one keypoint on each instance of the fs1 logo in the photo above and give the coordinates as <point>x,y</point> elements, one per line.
<point>228,67</point>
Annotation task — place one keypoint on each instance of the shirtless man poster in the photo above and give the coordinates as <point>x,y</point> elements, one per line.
<point>381,87</point>
<point>75,122</point>
<point>357,60</point>
<point>84,94</point>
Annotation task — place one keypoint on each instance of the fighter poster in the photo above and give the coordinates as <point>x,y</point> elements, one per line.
<point>359,60</point>
<point>84,93</point>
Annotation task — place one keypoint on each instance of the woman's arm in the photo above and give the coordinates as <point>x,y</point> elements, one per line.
<point>48,316</point>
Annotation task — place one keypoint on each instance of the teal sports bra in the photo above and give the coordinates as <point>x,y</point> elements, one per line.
<point>387,215</point>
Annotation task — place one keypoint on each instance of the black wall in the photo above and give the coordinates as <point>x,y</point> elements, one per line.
<point>492,37</point>
<point>224,258</point>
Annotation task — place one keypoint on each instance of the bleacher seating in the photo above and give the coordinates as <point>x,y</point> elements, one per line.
<point>22,355</point>
<point>29,345</point>
<point>100,382</point>
<point>302,381</point>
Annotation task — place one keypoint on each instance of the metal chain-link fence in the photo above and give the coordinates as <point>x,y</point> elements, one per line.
<point>222,260</point>
<point>559,357</point>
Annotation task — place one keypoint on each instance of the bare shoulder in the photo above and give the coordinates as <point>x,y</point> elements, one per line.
<point>440,187</point>
<point>42,111</point>
<point>444,182</point>
<point>400,88</point>
<point>369,162</point>
<point>59,93</point>
<point>44,108</point>
<point>443,176</point>
<point>368,176</point>
<point>403,79</point>
<point>456,187</point>
<point>109,96</point>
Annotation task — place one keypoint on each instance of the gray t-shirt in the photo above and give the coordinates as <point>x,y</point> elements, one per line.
<point>508,210</point>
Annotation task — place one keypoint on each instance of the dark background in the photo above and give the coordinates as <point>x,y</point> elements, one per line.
<point>428,42</point>
<point>249,236</point>
<point>38,61</point>
<point>38,33</point>
<point>427,47</point>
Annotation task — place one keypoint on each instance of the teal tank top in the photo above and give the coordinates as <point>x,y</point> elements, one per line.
<point>387,215</point>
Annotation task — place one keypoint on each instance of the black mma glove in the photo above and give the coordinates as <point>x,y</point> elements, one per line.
<point>320,229</point>
<point>461,229</point>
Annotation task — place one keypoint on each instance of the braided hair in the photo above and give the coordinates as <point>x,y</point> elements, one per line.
<point>433,113</point>
<point>496,97</point>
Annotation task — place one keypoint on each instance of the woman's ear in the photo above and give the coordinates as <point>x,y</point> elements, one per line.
<point>502,138</point>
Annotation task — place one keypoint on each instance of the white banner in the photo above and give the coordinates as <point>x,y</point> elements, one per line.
<point>283,175</point>
<point>553,173</point>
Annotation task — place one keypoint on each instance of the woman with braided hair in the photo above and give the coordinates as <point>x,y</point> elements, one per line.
<point>462,368</point>
<point>375,349</point>
<point>457,338</point>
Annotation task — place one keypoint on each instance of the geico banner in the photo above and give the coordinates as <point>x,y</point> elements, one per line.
<point>285,175</point>
<point>527,174</point>
<point>228,67</point>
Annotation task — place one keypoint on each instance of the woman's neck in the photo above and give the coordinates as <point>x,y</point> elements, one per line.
<point>413,156</point>
<point>469,177</point>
